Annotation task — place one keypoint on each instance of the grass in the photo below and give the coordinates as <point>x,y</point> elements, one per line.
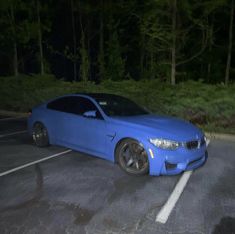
<point>212,107</point>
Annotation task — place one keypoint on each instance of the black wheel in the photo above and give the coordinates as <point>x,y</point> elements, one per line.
<point>132,157</point>
<point>40,135</point>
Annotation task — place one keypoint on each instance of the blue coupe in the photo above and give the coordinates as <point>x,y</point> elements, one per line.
<point>114,128</point>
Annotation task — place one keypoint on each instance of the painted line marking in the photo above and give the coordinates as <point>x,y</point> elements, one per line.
<point>170,204</point>
<point>34,162</point>
<point>12,118</point>
<point>165,211</point>
<point>13,133</point>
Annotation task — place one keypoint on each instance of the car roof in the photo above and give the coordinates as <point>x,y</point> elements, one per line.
<point>99,95</point>
<point>95,96</point>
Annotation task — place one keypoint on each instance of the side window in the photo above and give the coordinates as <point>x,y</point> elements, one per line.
<point>80,105</point>
<point>59,104</point>
<point>74,105</point>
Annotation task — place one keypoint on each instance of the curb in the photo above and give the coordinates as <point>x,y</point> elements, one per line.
<point>220,136</point>
<point>12,113</point>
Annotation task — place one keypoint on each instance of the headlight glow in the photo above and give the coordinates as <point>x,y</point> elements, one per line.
<point>165,144</point>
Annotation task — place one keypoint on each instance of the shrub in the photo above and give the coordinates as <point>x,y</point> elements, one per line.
<point>210,106</point>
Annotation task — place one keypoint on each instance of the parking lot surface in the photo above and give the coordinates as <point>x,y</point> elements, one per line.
<point>77,193</point>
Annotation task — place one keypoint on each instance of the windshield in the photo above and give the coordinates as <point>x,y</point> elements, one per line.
<point>119,106</point>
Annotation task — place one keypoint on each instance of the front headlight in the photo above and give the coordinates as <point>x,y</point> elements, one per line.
<point>165,144</point>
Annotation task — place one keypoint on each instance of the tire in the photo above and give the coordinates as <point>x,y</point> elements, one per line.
<point>132,157</point>
<point>40,135</point>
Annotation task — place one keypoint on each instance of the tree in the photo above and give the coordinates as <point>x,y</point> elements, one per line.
<point>101,58</point>
<point>9,31</point>
<point>85,65</point>
<point>192,21</point>
<point>74,41</point>
<point>22,27</point>
<point>14,39</point>
<point>229,43</point>
<point>39,32</point>
<point>154,39</point>
<point>177,37</point>
<point>84,58</point>
<point>173,48</point>
<point>115,63</point>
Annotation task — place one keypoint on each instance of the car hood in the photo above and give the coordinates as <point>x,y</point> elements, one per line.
<point>162,126</point>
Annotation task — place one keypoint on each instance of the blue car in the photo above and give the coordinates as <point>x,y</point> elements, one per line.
<point>115,128</point>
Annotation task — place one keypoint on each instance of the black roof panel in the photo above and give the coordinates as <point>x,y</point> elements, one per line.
<point>99,95</point>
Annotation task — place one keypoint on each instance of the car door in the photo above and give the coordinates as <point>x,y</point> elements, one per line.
<point>73,129</point>
<point>86,132</point>
<point>57,110</point>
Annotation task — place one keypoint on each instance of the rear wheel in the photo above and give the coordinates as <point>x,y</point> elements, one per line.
<point>132,157</point>
<point>40,135</point>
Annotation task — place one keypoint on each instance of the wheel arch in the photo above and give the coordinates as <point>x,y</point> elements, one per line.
<point>120,141</point>
<point>39,122</point>
<point>45,125</point>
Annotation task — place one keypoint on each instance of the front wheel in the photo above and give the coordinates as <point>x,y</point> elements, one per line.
<point>40,135</point>
<point>132,157</point>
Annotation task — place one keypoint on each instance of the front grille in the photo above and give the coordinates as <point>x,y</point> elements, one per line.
<point>192,144</point>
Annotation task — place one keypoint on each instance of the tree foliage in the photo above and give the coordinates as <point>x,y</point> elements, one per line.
<point>172,40</point>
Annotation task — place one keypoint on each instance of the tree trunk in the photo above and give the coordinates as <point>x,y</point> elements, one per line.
<point>74,42</point>
<point>210,51</point>
<point>101,45</point>
<point>89,77</point>
<point>152,75</point>
<point>173,50</point>
<point>15,59</point>
<point>84,66</point>
<point>229,44</point>
<point>142,56</point>
<point>15,54</point>
<point>40,39</point>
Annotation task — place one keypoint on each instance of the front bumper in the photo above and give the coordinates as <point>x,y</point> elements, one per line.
<point>172,162</point>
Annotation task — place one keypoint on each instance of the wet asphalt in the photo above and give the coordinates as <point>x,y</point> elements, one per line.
<point>78,193</point>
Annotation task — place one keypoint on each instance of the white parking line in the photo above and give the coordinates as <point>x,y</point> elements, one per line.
<point>12,118</point>
<point>34,162</point>
<point>12,133</point>
<point>179,188</point>
<point>169,205</point>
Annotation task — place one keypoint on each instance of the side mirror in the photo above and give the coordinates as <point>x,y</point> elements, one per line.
<point>90,114</point>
